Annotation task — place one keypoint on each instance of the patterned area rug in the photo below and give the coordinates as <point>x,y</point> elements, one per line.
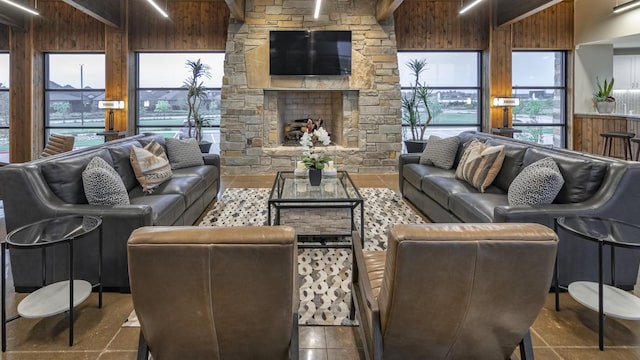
<point>324,274</point>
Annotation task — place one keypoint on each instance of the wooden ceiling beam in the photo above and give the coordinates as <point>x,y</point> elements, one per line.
<point>385,8</point>
<point>509,11</point>
<point>109,12</point>
<point>237,8</point>
<point>11,16</point>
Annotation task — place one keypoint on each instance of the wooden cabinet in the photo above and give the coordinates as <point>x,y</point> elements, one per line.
<point>626,72</point>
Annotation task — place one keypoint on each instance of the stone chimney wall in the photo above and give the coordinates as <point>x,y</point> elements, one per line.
<point>371,118</point>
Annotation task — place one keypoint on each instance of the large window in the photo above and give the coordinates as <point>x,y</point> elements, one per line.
<point>539,80</point>
<point>74,83</point>
<point>4,107</point>
<point>161,103</point>
<point>454,83</point>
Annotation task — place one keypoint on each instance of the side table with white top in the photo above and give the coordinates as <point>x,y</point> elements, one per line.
<point>605,299</point>
<point>58,297</point>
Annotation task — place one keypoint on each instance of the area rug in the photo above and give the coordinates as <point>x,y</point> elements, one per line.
<point>324,274</point>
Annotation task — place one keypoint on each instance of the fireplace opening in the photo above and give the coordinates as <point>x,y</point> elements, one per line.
<point>296,108</point>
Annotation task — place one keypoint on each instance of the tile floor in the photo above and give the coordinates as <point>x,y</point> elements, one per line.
<point>571,333</point>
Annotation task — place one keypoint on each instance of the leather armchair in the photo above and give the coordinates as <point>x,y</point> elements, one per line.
<point>215,293</point>
<point>453,291</point>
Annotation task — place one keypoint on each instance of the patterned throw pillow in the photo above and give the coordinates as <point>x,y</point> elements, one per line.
<point>151,166</point>
<point>537,184</point>
<point>440,152</point>
<point>102,184</point>
<point>480,163</point>
<point>184,153</point>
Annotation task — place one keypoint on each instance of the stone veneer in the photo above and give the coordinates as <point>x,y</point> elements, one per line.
<point>370,138</point>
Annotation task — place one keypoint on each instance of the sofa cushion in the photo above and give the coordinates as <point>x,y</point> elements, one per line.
<point>465,139</point>
<point>210,174</point>
<point>414,173</point>
<point>120,154</point>
<point>151,166</point>
<point>476,207</point>
<point>511,166</point>
<point>165,209</point>
<point>480,164</point>
<point>184,153</point>
<point>102,184</point>
<point>537,184</point>
<point>582,176</point>
<point>64,175</point>
<point>440,188</point>
<point>440,152</point>
<point>190,188</point>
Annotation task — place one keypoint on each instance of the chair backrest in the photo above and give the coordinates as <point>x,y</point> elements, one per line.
<point>57,144</point>
<point>215,293</point>
<point>456,291</point>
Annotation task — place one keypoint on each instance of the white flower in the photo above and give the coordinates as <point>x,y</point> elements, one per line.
<point>323,136</point>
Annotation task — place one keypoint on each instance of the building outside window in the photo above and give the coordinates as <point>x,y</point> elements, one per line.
<point>161,105</point>
<point>4,107</point>
<point>539,80</point>
<point>454,81</point>
<point>74,83</point>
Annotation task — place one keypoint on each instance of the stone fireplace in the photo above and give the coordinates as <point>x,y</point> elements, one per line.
<point>360,111</point>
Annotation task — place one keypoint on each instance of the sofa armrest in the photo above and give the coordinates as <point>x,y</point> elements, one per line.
<point>211,159</point>
<point>410,158</point>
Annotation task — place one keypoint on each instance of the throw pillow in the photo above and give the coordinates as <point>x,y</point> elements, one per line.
<point>480,164</point>
<point>184,153</point>
<point>537,184</point>
<point>440,152</point>
<point>151,166</point>
<point>102,184</point>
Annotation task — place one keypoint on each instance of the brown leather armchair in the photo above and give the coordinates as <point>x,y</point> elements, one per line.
<point>58,144</point>
<point>215,293</point>
<point>453,291</point>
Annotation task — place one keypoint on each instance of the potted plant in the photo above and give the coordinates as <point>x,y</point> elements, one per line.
<point>602,99</point>
<point>314,159</point>
<point>411,106</point>
<point>196,94</point>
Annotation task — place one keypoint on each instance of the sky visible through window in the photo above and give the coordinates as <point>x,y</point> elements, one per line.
<point>72,69</point>
<point>444,69</point>
<point>174,71</point>
<point>4,70</point>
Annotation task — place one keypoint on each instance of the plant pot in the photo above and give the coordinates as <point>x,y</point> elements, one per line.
<point>205,147</point>
<point>415,146</point>
<point>605,107</point>
<point>315,177</point>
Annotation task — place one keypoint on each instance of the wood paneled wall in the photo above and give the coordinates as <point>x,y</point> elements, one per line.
<point>64,28</point>
<point>587,130</point>
<point>4,38</point>
<point>551,28</point>
<point>435,24</point>
<point>195,25</point>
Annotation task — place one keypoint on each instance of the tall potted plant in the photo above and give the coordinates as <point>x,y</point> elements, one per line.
<point>411,106</point>
<point>196,94</point>
<point>602,99</point>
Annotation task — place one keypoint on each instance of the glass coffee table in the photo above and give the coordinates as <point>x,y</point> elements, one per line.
<point>605,299</point>
<point>61,296</point>
<point>320,214</point>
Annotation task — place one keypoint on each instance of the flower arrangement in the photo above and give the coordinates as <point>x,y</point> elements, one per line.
<point>312,157</point>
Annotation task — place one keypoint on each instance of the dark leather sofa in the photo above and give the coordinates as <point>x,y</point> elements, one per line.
<point>594,185</point>
<point>53,186</point>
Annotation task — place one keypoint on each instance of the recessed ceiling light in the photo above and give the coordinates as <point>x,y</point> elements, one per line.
<point>162,12</point>
<point>21,7</point>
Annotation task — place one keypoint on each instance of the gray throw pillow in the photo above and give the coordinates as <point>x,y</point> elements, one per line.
<point>440,152</point>
<point>183,153</point>
<point>102,184</point>
<point>537,184</point>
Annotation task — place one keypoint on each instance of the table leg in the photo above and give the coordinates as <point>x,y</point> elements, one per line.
<point>600,298</point>
<point>362,224</point>
<point>4,298</point>
<point>70,293</point>
<point>100,268</point>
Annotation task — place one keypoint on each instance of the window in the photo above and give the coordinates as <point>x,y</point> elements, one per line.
<point>161,96</point>
<point>539,80</point>
<point>4,107</point>
<point>454,81</point>
<point>74,83</point>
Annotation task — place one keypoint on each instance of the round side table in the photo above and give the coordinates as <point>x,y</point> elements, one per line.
<point>60,296</point>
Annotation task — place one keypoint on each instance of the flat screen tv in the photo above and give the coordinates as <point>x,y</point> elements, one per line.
<point>320,52</point>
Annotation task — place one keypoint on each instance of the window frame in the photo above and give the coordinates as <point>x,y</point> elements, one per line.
<point>563,100</point>
<point>6,91</point>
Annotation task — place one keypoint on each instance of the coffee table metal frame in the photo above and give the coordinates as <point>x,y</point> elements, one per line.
<point>67,239</point>
<point>277,202</point>
<point>582,291</point>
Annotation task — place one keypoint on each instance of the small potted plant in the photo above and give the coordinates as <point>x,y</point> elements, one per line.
<point>411,106</point>
<point>196,94</point>
<point>602,99</point>
<point>314,159</point>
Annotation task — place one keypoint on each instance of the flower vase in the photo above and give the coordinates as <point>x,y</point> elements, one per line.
<point>315,177</point>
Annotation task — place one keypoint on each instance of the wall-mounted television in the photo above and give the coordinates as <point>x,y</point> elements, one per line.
<point>319,52</point>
